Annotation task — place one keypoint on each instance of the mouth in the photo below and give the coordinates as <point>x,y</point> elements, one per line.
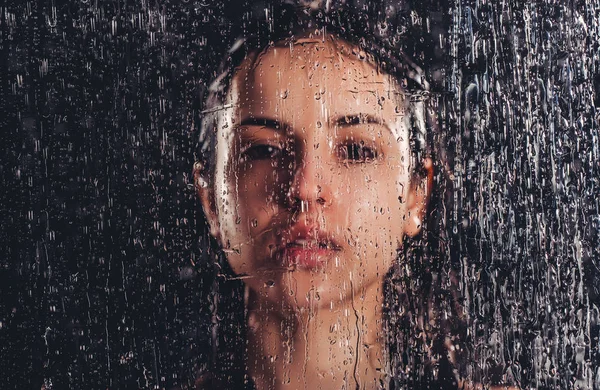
<point>307,253</point>
<point>313,244</point>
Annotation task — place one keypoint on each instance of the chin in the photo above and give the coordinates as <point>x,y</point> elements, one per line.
<point>301,289</point>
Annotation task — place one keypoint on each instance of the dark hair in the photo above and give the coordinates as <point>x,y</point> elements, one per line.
<point>411,298</point>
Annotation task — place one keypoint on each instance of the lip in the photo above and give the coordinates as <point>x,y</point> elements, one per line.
<point>306,247</point>
<point>305,258</point>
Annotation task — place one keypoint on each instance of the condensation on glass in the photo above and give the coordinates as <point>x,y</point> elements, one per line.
<point>295,194</point>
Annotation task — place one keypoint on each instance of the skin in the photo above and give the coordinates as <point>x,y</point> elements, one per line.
<point>289,158</point>
<point>365,206</point>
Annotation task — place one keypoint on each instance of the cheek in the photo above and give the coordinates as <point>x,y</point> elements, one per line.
<point>258,190</point>
<point>250,206</point>
<point>374,216</point>
<point>243,206</point>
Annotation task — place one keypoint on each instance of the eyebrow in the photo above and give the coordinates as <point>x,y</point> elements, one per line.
<point>264,122</point>
<point>356,119</point>
<point>360,118</point>
<point>341,120</point>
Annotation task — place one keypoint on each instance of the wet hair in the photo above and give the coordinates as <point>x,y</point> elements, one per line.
<point>420,300</point>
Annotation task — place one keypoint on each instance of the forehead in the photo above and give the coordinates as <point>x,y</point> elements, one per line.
<point>313,74</point>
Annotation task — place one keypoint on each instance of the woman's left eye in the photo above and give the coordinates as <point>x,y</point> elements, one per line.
<point>357,153</point>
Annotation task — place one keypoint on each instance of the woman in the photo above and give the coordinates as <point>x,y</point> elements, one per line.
<point>313,173</point>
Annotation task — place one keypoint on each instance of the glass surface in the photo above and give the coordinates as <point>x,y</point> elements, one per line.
<point>300,194</point>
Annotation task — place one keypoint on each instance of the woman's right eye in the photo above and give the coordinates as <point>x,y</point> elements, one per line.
<point>260,152</point>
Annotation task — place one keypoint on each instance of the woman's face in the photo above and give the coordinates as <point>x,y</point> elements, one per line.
<point>311,193</point>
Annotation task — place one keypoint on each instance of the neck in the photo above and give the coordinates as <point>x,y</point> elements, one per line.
<point>338,346</point>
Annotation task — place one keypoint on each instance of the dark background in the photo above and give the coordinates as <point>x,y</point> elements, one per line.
<point>104,278</point>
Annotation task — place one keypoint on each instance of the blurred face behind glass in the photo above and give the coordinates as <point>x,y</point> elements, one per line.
<point>311,195</point>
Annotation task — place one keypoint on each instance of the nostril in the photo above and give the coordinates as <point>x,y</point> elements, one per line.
<point>320,201</point>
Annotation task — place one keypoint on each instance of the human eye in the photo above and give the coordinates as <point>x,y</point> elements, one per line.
<point>357,152</point>
<point>261,151</point>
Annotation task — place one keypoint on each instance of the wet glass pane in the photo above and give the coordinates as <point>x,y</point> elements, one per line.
<point>300,194</point>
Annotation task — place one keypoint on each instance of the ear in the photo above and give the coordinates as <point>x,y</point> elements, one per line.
<point>418,199</point>
<point>207,198</point>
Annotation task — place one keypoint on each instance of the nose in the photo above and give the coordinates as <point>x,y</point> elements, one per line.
<point>311,182</point>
